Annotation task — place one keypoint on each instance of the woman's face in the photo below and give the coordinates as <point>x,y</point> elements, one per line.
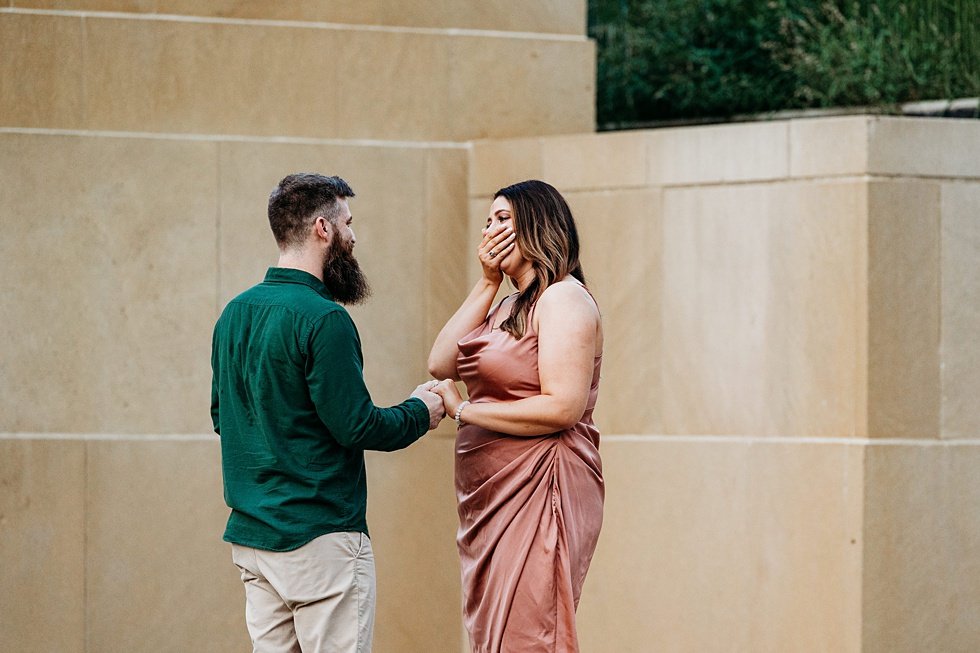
<point>502,217</point>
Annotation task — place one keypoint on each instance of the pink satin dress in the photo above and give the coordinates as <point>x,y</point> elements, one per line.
<point>530,508</point>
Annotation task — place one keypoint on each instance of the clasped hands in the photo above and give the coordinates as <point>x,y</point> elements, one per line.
<point>440,397</point>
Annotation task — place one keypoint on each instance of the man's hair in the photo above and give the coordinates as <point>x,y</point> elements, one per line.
<point>298,199</point>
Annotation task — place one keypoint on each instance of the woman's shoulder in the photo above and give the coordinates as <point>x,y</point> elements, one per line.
<point>567,295</point>
<point>567,290</point>
<point>568,308</point>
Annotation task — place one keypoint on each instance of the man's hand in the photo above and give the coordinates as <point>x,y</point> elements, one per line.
<point>432,401</point>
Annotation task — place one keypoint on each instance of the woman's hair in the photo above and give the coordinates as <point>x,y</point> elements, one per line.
<point>545,232</point>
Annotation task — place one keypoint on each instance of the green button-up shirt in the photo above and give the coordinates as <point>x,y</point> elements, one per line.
<point>289,402</point>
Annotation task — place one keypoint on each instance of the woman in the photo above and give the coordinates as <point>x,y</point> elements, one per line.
<point>528,474</point>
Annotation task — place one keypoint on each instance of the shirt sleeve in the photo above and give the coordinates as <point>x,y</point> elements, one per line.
<point>335,373</point>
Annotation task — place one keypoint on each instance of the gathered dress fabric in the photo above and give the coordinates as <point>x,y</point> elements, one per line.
<point>530,508</point>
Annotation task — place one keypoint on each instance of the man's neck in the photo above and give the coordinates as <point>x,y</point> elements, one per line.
<point>301,260</point>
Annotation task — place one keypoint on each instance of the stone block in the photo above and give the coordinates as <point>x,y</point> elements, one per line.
<point>496,164</point>
<point>554,16</point>
<point>718,154</point>
<point>621,244</point>
<point>412,517</point>
<point>335,11</point>
<point>299,80</point>
<point>595,161</point>
<point>550,16</point>
<point>922,549</point>
<point>112,278</point>
<point>764,310</point>
<point>705,546</point>
<point>211,78</point>
<point>500,88</point>
<point>448,247</point>
<point>960,305</point>
<point>159,577</point>
<point>395,86</point>
<point>903,309</point>
<point>40,71</point>
<point>926,147</point>
<point>42,544</point>
<point>829,147</point>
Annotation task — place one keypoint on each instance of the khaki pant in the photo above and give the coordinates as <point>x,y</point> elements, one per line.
<point>318,598</point>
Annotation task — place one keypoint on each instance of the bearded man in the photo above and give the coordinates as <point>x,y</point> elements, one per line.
<point>294,416</point>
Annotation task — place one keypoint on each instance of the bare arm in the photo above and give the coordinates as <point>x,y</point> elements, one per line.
<point>569,334</point>
<point>474,309</point>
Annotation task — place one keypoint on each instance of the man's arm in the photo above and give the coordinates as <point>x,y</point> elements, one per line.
<point>334,371</point>
<point>214,388</point>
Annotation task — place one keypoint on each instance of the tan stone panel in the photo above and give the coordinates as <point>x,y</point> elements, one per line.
<point>960,306</point>
<point>706,546</point>
<point>42,543</point>
<point>496,164</point>
<point>448,248</point>
<point>134,6</point>
<point>40,71</point>
<point>922,549</point>
<point>551,16</point>
<point>556,16</point>
<point>389,224</point>
<point>342,11</point>
<point>764,310</point>
<point>595,161</point>
<point>931,147</point>
<point>159,578</point>
<point>501,87</point>
<point>621,245</point>
<point>335,11</point>
<point>210,78</point>
<point>221,78</point>
<point>111,274</point>
<point>903,309</point>
<point>719,153</point>
<point>412,517</point>
<point>479,208</point>
<point>824,147</point>
<point>393,86</point>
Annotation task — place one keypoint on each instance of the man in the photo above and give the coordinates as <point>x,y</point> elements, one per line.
<point>289,402</point>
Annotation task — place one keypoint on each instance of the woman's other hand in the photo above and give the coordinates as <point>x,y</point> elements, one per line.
<point>451,399</point>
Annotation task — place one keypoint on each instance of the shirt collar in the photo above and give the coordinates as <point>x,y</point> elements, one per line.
<point>292,275</point>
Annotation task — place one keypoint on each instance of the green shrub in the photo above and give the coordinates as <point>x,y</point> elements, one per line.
<point>872,56</point>
<point>687,59</point>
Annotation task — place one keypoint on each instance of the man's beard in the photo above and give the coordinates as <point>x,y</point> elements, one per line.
<point>342,274</point>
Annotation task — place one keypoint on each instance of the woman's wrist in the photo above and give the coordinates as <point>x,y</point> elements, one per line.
<point>458,415</point>
<point>492,284</point>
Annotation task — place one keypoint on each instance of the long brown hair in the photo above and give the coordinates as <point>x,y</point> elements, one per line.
<point>545,233</point>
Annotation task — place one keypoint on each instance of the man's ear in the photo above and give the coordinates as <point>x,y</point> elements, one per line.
<point>323,229</point>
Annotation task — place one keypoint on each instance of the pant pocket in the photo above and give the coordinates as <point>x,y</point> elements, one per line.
<point>360,545</point>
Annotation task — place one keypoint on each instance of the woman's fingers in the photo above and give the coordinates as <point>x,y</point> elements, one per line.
<point>499,244</point>
<point>446,389</point>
